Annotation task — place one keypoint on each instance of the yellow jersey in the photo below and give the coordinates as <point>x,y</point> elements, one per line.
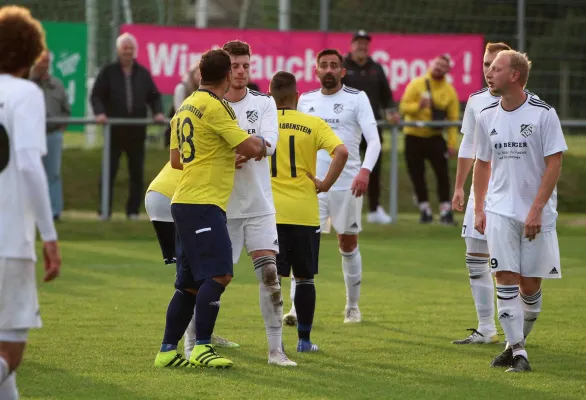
<point>166,181</point>
<point>300,138</point>
<point>444,98</point>
<point>205,131</point>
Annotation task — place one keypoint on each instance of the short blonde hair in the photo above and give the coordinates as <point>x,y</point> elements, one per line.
<point>496,47</point>
<point>520,63</point>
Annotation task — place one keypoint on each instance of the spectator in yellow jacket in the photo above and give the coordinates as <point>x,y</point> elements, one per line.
<point>431,98</point>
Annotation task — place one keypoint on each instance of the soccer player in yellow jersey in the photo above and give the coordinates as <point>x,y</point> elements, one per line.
<point>295,189</point>
<point>204,138</point>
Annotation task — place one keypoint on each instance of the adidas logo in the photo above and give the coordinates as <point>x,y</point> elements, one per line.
<point>505,316</point>
<point>215,304</point>
<point>311,109</point>
<point>357,283</point>
<point>553,271</point>
<point>354,225</point>
<point>493,132</point>
<point>276,242</point>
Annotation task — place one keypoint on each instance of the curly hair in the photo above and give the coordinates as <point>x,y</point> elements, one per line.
<point>22,39</point>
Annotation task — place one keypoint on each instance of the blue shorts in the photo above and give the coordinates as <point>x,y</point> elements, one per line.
<point>298,250</point>
<point>203,247</point>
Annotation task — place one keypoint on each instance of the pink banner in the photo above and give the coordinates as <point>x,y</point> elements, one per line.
<point>168,52</point>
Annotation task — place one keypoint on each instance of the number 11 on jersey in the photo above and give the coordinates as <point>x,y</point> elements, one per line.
<point>291,159</point>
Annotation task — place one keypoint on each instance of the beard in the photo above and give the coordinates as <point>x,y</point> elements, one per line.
<point>329,81</point>
<point>239,85</point>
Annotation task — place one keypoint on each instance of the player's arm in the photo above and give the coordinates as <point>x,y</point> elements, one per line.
<point>30,146</point>
<point>369,129</point>
<point>174,154</point>
<point>553,144</point>
<point>409,104</point>
<point>453,115</point>
<point>465,157</point>
<point>269,126</point>
<point>223,122</point>
<point>327,140</point>
<point>481,174</point>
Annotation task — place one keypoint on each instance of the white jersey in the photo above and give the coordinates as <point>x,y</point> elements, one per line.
<point>476,103</point>
<point>516,143</point>
<point>349,113</point>
<point>22,127</point>
<point>252,194</point>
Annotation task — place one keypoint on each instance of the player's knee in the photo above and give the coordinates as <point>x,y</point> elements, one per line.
<point>530,286</point>
<point>507,278</point>
<point>348,243</point>
<point>266,268</point>
<point>190,291</point>
<point>477,265</point>
<point>223,280</point>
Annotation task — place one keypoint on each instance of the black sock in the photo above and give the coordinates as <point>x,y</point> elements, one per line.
<point>179,314</point>
<point>207,308</point>
<point>166,234</point>
<point>305,306</point>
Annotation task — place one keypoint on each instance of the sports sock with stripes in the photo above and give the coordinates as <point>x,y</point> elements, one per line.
<point>510,313</point>
<point>482,287</point>
<point>531,310</point>
<point>207,308</point>
<point>179,314</point>
<point>305,305</point>
<point>271,300</point>
<point>352,268</point>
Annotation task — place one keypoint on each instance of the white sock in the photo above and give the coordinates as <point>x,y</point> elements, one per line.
<point>531,310</point>
<point>445,207</point>
<point>482,287</point>
<point>4,370</point>
<point>8,389</point>
<point>189,337</point>
<point>424,206</point>
<point>352,268</point>
<point>292,295</point>
<point>271,301</point>
<point>511,316</point>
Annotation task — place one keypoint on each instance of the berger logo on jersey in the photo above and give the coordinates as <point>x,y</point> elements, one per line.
<point>526,130</point>
<point>252,116</point>
<point>338,108</point>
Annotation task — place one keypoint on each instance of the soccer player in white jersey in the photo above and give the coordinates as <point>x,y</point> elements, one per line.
<point>349,113</point>
<point>251,211</point>
<point>24,194</point>
<point>519,145</point>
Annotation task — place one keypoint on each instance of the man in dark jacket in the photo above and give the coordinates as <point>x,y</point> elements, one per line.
<point>124,89</point>
<point>364,74</point>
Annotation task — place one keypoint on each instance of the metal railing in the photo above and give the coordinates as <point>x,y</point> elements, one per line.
<point>394,167</point>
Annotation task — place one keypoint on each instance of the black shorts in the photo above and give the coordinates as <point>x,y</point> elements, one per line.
<point>203,246</point>
<point>298,250</point>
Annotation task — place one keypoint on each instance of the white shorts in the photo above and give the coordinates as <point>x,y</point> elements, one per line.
<point>468,230</point>
<point>511,251</point>
<point>14,335</point>
<point>342,210</point>
<point>256,233</point>
<point>476,246</point>
<point>158,207</point>
<point>19,302</point>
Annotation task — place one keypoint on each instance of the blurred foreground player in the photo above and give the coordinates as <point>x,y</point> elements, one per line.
<point>519,147</point>
<point>207,123</point>
<point>295,189</point>
<point>24,193</point>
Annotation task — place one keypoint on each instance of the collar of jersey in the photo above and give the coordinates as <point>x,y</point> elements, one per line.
<point>241,100</point>
<point>210,92</point>
<point>516,109</point>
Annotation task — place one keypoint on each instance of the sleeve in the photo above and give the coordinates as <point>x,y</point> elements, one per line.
<point>369,129</point>
<point>36,189</point>
<point>409,103</point>
<point>386,96</point>
<point>482,141</point>
<point>552,135</point>
<point>225,124</point>
<point>468,125</point>
<point>100,92</point>
<point>269,125</point>
<point>30,131</point>
<point>326,137</point>
<point>301,104</point>
<point>174,140</point>
<point>453,115</point>
<point>179,95</point>
<point>154,96</point>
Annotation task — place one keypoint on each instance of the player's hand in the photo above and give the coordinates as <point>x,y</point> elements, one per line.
<point>159,117</point>
<point>480,221</point>
<point>452,153</point>
<point>458,200</point>
<point>393,117</point>
<point>424,103</point>
<point>360,183</point>
<point>101,118</point>
<point>52,260</point>
<point>320,186</point>
<point>533,223</point>
<point>263,153</point>
<point>240,160</point>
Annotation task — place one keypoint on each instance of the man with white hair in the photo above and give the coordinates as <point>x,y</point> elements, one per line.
<point>124,89</point>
